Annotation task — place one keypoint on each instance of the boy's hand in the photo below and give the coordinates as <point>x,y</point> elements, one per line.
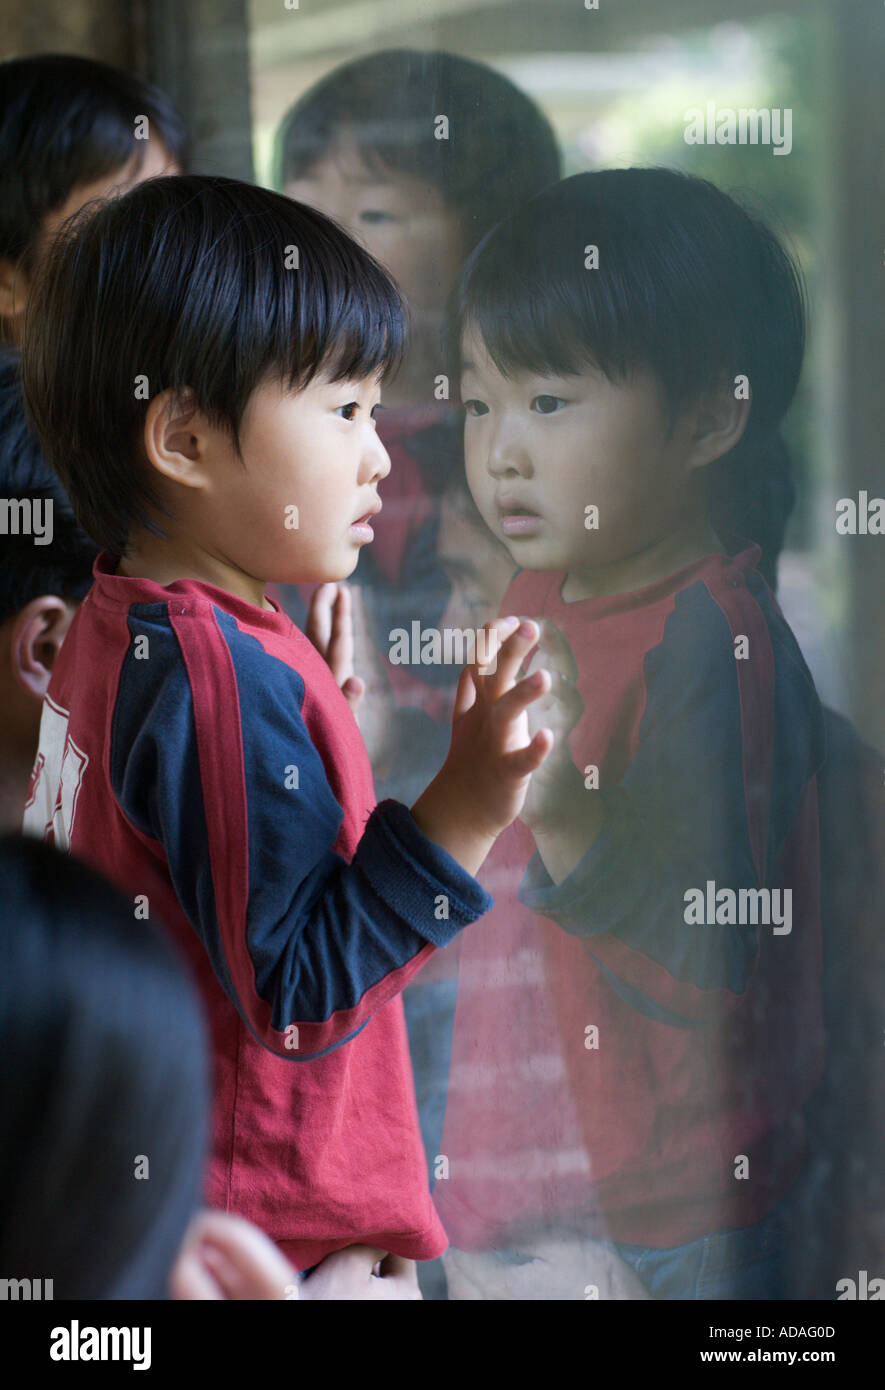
<point>482,785</point>
<point>226,1257</point>
<point>359,1272</point>
<point>563,814</point>
<point>330,629</point>
<point>377,717</point>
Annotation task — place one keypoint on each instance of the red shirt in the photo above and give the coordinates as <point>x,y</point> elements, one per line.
<point>612,1060</point>
<point>197,749</point>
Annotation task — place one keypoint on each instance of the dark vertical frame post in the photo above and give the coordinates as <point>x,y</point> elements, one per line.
<point>199,53</point>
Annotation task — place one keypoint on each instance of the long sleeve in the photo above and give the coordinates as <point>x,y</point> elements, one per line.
<point>211,759</point>
<point>727,750</point>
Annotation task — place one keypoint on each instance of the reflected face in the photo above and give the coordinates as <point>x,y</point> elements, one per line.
<point>540,450</point>
<point>402,221</point>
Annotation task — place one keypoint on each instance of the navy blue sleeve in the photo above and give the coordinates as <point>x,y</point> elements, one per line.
<point>201,762</point>
<point>726,750</point>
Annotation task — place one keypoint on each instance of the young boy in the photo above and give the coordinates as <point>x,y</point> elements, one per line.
<point>644,1068</point>
<point>203,364</point>
<point>71,130</point>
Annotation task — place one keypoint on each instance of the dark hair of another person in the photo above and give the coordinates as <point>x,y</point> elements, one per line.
<point>190,282</point>
<point>104,1066</point>
<point>689,286</point>
<point>27,570</point>
<point>500,149</point>
<point>67,121</point>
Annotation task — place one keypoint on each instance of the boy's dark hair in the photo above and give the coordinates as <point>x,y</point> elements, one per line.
<point>27,571</point>
<point>689,286</point>
<point>198,283</point>
<point>500,149</point>
<point>105,1060</point>
<point>66,121</point>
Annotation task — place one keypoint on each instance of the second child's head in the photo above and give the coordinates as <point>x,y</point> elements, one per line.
<point>628,344</point>
<point>71,130</point>
<point>203,360</point>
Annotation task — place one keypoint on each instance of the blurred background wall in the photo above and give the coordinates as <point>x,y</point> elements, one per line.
<point>104,29</point>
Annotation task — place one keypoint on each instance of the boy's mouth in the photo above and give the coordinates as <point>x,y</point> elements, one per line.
<point>360,529</point>
<point>516,519</point>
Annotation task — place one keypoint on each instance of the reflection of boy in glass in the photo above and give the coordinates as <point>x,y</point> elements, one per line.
<point>367,146</point>
<point>606,330</point>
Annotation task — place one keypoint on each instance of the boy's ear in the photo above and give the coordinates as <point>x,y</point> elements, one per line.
<point>37,634</point>
<point>13,289</point>
<point>175,437</point>
<point>719,420</point>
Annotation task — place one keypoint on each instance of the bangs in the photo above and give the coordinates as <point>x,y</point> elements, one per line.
<point>526,294</point>
<point>340,315</point>
<point>189,284</point>
<point>106,146</point>
<point>621,271</point>
<point>256,286</point>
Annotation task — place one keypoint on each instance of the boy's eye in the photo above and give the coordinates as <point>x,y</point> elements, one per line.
<point>474,407</point>
<point>547,405</point>
<point>352,407</point>
<point>375,215</point>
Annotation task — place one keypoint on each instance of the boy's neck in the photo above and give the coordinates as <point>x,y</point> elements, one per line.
<point>664,557</point>
<point>149,559</point>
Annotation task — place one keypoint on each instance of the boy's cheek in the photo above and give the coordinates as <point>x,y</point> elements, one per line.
<point>484,499</point>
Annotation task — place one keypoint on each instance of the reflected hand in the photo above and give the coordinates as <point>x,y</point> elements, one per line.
<point>556,793</point>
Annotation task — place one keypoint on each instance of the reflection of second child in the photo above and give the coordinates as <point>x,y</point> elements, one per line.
<point>606,416</point>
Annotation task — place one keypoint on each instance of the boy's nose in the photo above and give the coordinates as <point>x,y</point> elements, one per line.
<point>508,456</point>
<point>378,459</point>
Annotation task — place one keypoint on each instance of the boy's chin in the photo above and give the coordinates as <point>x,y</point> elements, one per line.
<point>326,575</point>
<point>529,555</point>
